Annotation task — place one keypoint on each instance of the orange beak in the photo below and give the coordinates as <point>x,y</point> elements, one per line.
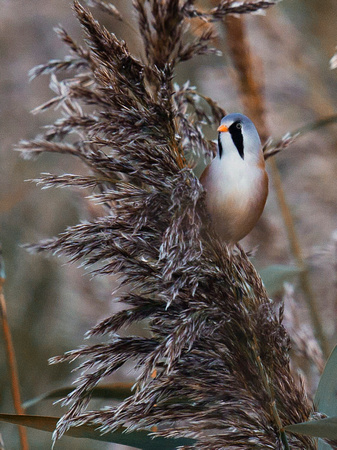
<point>223,128</point>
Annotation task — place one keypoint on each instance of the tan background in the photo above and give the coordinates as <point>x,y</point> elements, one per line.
<point>50,305</point>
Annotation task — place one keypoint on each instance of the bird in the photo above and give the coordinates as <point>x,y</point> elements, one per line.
<point>236,181</point>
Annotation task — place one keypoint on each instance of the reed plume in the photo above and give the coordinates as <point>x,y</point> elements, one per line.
<point>216,367</point>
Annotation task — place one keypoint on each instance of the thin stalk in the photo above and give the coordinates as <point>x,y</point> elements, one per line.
<point>11,361</point>
<point>315,125</point>
<point>274,146</point>
<point>297,253</point>
<point>250,86</point>
<point>252,99</point>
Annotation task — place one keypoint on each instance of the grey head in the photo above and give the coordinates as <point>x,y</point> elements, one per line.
<point>238,133</point>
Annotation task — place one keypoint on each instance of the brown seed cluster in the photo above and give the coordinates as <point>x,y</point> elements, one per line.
<point>217,348</point>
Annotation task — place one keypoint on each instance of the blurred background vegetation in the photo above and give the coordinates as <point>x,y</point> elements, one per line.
<point>51,305</point>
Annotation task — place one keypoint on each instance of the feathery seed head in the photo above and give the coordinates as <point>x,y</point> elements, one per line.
<point>217,347</point>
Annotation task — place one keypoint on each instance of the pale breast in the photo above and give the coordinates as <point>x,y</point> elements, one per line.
<point>235,198</point>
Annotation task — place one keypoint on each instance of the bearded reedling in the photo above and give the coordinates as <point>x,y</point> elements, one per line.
<point>236,182</point>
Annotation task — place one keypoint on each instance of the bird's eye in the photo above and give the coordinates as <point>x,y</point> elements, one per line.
<point>239,126</point>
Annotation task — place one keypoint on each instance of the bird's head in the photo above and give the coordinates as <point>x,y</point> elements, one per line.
<point>238,135</point>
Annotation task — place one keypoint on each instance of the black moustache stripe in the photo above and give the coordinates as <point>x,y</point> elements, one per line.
<point>237,138</point>
<point>220,146</point>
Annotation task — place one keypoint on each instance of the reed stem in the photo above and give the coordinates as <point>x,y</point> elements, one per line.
<point>11,360</point>
<point>251,93</point>
<point>297,253</point>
